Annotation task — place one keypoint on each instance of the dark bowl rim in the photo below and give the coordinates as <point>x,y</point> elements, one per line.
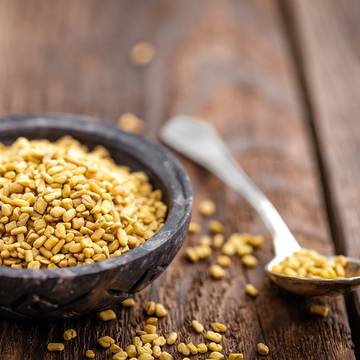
<point>87,124</point>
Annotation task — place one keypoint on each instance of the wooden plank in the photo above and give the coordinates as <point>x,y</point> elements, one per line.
<point>328,34</point>
<point>225,61</point>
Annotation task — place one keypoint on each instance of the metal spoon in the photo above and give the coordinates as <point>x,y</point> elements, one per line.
<point>201,143</point>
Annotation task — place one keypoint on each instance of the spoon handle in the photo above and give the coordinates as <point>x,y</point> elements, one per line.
<point>201,143</point>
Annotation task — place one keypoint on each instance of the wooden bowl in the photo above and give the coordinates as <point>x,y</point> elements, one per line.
<point>73,291</point>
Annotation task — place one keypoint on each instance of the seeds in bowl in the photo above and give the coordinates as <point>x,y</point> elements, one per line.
<point>62,205</point>
<point>310,264</point>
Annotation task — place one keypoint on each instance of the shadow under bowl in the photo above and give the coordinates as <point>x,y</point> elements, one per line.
<point>73,291</point>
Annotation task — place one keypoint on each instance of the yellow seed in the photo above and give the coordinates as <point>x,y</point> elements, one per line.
<point>219,327</point>
<point>145,356</point>
<point>129,302</point>
<point>191,254</point>
<point>69,334</point>
<point>262,349</point>
<point>107,315</point>
<point>156,351</point>
<point>216,355</point>
<point>251,290</point>
<point>55,346</point>
<point>160,341</point>
<point>321,310</point>
<point>57,211</point>
<point>160,310</point>
<point>194,227</point>
<point>202,348</point>
<point>171,339</point>
<point>216,227</point>
<point>213,336</point>
<point>131,123</point>
<point>216,272</point>
<point>193,349</point>
<point>152,320</point>
<point>224,261</point>
<point>150,329</point>
<point>249,261</point>
<point>207,207</point>
<point>198,327</point>
<point>165,356</point>
<point>214,346</point>
<point>148,338</point>
<point>105,341</point>
<point>236,356</point>
<point>131,350</point>
<point>183,349</point>
<point>34,265</point>
<point>90,354</point>
<point>150,307</point>
<point>142,53</point>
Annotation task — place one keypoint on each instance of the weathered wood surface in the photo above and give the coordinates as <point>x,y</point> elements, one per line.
<point>229,62</point>
<point>328,36</point>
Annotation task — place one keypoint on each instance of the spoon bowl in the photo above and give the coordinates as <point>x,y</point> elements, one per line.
<point>317,286</point>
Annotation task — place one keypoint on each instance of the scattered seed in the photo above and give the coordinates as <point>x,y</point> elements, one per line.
<point>214,346</point>
<point>105,341</point>
<point>262,349</point>
<point>207,207</point>
<point>183,349</point>
<point>129,302</point>
<point>224,261</point>
<point>160,310</point>
<point>251,290</point>
<point>131,123</point>
<point>142,53</point>
<point>236,356</point>
<point>90,354</point>
<point>216,226</point>
<point>216,272</point>
<point>321,310</point>
<point>107,315</point>
<point>219,327</point>
<point>249,261</point>
<point>55,346</point>
<point>197,326</point>
<point>213,336</point>
<point>69,334</point>
<point>194,228</point>
<point>171,339</point>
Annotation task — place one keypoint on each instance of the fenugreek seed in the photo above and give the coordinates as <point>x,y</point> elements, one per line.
<point>244,249</point>
<point>202,348</point>
<point>251,290</point>
<point>249,261</point>
<point>137,341</point>
<point>224,261</point>
<point>130,123</point>
<point>207,207</point>
<point>160,341</point>
<point>213,336</point>
<point>216,227</point>
<point>321,310</point>
<point>262,349</point>
<point>148,338</point>
<point>152,320</point>
<point>194,228</point>
<point>216,272</point>
<point>142,53</point>
<point>197,326</point>
<point>156,351</point>
<point>34,265</point>
<point>193,349</point>
<point>150,307</point>
<point>90,354</point>
<point>55,346</point>
<point>214,346</point>
<point>69,334</point>
<point>145,356</point>
<point>219,327</point>
<point>150,329</point>
<point>216,355</point>
<point>236,356</point>
<point>131,350</point>
<point>171,339</point>
<point>114,348</point>
<point>166,356</point>
<point>160,310</point>
<point>105,341</point>
<point>107,315</point>
<point>183,349</point>
<point>191,254</point>
<point>129,302</point>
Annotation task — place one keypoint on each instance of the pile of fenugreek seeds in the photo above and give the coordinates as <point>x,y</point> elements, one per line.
<point>62,205</point>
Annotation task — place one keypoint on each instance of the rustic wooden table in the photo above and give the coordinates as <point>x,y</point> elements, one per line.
<point>280,81</point>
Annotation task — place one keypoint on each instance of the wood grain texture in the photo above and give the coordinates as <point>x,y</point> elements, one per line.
<point>328,35</point>
<point>227,62</point>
